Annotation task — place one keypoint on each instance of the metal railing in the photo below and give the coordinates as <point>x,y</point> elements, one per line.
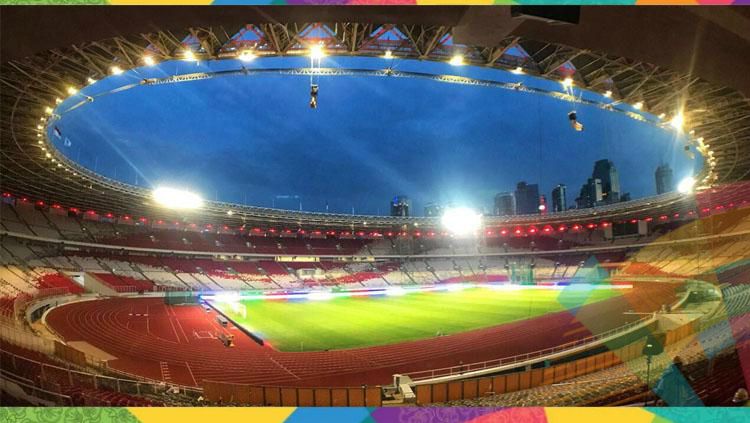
<point>463,369</point>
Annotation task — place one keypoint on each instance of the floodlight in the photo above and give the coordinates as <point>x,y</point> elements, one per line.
<point>518,70</point>
<point>567,82</point>
<point>116,70</point>
<point>608,94</point>
<point>677,121</point>
<point>90,80</point>
<point>638,105</point>
<point>149,61</point>
<point>457,60</point>
<point>461,220</point>
<point>188,55</point>
<point>388,55</point>
<point>58,100</point>
<point>72,90</point>
<point>48,110</point>
<point>247,56</point>
<point>176,199</point>
<point>686,185</point>
<point>316,51</point>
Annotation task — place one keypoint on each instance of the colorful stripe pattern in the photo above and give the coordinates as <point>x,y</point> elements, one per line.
<point>376,415</point>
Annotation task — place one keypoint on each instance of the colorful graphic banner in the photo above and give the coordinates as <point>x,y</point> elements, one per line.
<point>376,415</point>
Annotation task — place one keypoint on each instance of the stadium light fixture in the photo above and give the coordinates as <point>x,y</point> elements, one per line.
<point>149,60</point>
<point>388,55</point>
<point>686,185</point>
<point>90,80</point>
<point>517,71</point>
<point>461,221</point>
<point>567,82</point>
<point>189,56</point>
<point>58,100</point>
<point>48,110</point>
<point>116,70</point>
<point>638,105</point>
<point>247,56</point>
<point>457,60</point>
<point>72,90</point>
<point>608,94</point>
<point>176,199</point>
<point>316,51</point>
<point>677,121</point>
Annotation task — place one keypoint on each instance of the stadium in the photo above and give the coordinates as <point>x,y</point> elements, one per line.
<point>116,292</point>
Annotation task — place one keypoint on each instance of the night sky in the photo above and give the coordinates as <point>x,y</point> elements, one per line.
<point>249,139</point>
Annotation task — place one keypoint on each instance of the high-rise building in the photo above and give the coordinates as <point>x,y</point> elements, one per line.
<point>591,194</point>
<point>664,182</point>
<point>400,206</point>
<point>559,201</point>
<point>505,204</point>
<point>605,171</point>
<point>527,198</point>
<point>433,210</point>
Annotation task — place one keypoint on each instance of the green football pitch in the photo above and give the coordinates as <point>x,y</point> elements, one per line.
<point>351,322</point>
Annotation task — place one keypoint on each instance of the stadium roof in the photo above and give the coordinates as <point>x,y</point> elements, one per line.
<point>678,58</point>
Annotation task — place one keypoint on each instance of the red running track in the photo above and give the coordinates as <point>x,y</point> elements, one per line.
<point>173,343</point>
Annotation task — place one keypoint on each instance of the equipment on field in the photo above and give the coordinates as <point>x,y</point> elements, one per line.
<point>226,339</point>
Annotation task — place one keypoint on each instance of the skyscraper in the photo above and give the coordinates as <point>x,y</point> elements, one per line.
<point>591,194</point>
<point>400,206</point>
<point>505,204</point>
<point>527,198</point>
<point>664,182</point>
<point>605,171</point>
<point>559,201</point>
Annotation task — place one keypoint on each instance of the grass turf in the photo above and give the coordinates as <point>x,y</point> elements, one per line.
<point>351,322</point>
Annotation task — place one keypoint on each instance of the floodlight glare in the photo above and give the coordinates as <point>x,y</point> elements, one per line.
<point>316,52</point>
<point>247,56</point>
<point>518,70</point>
<point>457,60</point>
<point>116,70</point>
<point>72,90</point>
<point>677,121</point>
<point>461,220</point>
<point>608,94</point>
<point>567,82</point>
<point>176,199</point>
<point>686,185</point>
<point>638,105</point>
<point>48,110</point>
<point>188,55</point>
<point>388,55</point>
<point>149,61</point>
<point>90,80</point>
